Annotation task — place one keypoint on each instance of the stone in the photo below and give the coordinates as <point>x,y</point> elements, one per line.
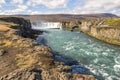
<point>83,77</point>
<point>2,52</point>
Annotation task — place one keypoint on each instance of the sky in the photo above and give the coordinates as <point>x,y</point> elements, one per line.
<point>30,7</point>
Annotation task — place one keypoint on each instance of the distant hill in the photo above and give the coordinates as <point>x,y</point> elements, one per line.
<point>62,17</point>
<point>100,15</point>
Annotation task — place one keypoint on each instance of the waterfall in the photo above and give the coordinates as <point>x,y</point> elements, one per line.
<point>46,25</point>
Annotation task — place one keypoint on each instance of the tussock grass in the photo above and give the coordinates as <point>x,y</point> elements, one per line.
<point>112,21</point>
<point>25,60</point>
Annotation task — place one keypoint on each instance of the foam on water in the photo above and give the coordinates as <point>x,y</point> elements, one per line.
<point>46,25</point>
<point>102,59</point>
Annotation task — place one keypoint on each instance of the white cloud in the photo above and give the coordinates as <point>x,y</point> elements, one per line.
<point>23,7</point>
<point>2,1</point>
<point>103,4</point>
<point>86,7</point>
<point>116,12</point>
<point>17,10</point>
<point>49,3</point>
<point>35,12</point>
<point>20,8</point>
<point>97,6</point>
<point>17,1</point>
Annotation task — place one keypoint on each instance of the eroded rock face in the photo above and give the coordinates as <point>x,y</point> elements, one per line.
<point>24,27</point>
<point>40,74</point>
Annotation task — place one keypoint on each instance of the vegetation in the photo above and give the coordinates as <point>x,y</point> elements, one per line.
<point>25,60</point>
<point>112,22</point>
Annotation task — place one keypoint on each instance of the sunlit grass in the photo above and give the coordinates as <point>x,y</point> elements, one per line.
<point>25,60</point>
<point>112,21</point>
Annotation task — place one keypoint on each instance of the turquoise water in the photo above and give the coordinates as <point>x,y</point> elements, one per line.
<point>100,58</point>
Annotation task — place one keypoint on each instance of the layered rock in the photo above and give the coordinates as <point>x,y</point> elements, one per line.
<point>104,32</point>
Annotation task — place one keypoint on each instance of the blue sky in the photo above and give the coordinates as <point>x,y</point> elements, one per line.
<point>59,6</point>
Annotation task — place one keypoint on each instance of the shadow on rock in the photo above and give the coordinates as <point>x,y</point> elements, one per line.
<point>77,68</point>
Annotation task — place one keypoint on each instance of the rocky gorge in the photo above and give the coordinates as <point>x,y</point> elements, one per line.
<point>21,57</point>
<point>104,29</point>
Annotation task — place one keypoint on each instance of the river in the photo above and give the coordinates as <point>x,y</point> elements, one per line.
<point>102,59</point>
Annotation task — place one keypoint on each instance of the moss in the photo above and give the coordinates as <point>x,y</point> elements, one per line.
<point>77,29</point>
<point>112,21</point>
<point>2,44</point>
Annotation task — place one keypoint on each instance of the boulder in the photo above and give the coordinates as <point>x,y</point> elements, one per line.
<point>23,74</point>
<point>2,52</point>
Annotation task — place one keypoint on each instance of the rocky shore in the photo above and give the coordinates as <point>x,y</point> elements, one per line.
<point>21,58</point>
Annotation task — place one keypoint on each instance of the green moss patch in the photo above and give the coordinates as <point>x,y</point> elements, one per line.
<point>112,22</point>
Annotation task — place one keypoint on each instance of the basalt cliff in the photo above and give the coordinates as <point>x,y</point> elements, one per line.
<point>21,58</point>
<point>104,29</point>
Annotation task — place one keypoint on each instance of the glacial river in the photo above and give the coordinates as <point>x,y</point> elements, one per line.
<point>102,59</point>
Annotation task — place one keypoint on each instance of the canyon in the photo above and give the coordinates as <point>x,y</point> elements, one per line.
<point>22,58</point>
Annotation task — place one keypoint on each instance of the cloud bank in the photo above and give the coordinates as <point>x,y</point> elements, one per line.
<point>59,6</point>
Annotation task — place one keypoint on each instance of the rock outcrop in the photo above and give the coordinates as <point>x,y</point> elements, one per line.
<point>2,52</point>
<point>25,59</point>
<point>107,30</point>
<point>104,32</point>
<point>24,28</point>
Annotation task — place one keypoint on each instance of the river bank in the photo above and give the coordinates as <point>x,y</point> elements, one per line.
<point>22,58</point>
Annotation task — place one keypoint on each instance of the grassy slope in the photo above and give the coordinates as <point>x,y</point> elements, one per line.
<point>112,22</point>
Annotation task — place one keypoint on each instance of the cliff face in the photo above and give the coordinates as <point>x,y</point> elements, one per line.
<point>108,34</point>
<point>24,28</point>
<point>71,25</point>
<point>101,29</point>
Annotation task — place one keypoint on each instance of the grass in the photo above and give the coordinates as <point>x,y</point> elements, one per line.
<point>5,43</point>
<point>112,21</point>
<point>25,60</point>
<point>2,44</point>
<point>7,23</point>
<point>4,28</point>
